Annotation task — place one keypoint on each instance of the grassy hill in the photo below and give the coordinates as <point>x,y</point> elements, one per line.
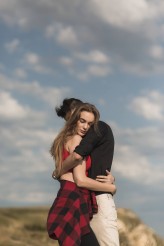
<point>26,227</point>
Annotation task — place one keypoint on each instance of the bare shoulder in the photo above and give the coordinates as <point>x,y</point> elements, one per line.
<point>76,138</point>
<point>73,142</point>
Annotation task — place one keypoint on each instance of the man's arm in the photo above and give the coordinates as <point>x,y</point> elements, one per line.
<point>84,149</point>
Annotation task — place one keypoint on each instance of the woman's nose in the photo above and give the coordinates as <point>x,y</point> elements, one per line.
<point>85,126</point>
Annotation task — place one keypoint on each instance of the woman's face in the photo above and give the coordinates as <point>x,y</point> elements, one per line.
<point>84,123</point>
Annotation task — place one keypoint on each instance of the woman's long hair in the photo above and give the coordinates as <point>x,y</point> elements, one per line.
<point>68,131</point>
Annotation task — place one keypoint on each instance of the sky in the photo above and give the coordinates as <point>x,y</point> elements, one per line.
<point>109,53</point>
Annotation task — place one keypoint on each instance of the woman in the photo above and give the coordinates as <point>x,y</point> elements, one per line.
<point>100,147</point>
<point>69,216</point>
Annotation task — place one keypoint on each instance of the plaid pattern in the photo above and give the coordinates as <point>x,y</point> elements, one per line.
<point>69,216</point>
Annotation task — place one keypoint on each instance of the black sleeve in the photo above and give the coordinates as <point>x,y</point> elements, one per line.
<point>89,142</point>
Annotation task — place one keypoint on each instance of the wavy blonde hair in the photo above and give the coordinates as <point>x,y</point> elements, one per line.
<point>68,131</point>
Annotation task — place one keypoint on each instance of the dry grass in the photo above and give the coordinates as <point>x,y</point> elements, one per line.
<point>27,227</point>
<point>24,227</point>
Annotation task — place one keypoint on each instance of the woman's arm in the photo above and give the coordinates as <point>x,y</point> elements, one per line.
<point>79,172</point>
<point>82,180</point>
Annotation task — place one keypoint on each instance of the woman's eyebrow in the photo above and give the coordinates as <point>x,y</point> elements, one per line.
<point>89,122</point>
<point>82,119</point>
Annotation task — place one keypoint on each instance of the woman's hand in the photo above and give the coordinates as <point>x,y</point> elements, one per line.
<point>109,178</point>
<point>54,174</point>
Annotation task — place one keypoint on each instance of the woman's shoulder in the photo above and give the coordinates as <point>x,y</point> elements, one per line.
<point>75,139</point>
<point>73,142</point>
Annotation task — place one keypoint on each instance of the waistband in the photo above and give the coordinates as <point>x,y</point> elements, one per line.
<point>101,192</point>
<point>69,185</point>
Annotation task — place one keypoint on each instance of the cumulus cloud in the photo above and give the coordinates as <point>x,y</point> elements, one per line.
<point>123,13</point>
<point>98,71</point>
<point>90,71</point>
<point>32,58</point>
<point>10,108</point>
<point>26,136</point>
<point>34,62</point>
<point>20,73</point>
<point>114,27</point>
<point>12,46</point>
<point>67,61</point>
<point>94,56</point>
<point>49,94</point>
<point>117,13</point>
<point>149,105</point>
<point>157,52</point>
<point>64,35</point>
<point>98,36</point>
<point>95,64</point>
<point>137,167</point>
<point>138,154</point>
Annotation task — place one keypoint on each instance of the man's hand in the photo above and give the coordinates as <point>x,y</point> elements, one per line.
<point>110,176</point>
<point>106,178</point>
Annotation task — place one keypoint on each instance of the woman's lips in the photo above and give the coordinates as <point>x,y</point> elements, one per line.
<point>83,132</point>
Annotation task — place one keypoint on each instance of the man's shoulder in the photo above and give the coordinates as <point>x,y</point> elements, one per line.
<point>104,127</point>
<point>103,124</point>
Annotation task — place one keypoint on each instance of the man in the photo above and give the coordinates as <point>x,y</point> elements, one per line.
<point>100,146</point>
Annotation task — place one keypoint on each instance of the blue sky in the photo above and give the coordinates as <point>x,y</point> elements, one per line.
<point>109,53</point>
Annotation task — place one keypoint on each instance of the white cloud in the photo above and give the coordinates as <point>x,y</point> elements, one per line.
<point>32,58</point>
<point>95,63</point>
<point>139,154</point>
<point>123,13</point>
<point>26,196</point>
<point>25,160</point>
<point>119,12</point>
<point>145,69</point>
<point>90,71</point>
<point>12,46</point>
<point>10,108</point>
<point>157,52</point>
<point>135,166</point>
<point>34,62</point>
<point>96,24</point>
<point>94,56</point>
<point>150,105</point>
<point>20,73</point>
<point>67,61</point>
<point>13,111</point>
<point>49,94</point>
<point>99,71</point>
<point>67,36</point>
<point>64,35</point>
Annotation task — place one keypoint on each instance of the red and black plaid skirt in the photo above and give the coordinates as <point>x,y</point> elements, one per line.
<point>70,214</point>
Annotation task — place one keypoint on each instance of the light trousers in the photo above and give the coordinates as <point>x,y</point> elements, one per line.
<point>104,223</point>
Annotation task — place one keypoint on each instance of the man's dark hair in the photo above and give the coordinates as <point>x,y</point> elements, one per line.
<point>67,106</point>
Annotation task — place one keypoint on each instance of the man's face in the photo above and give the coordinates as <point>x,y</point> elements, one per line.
<point>84,123</point>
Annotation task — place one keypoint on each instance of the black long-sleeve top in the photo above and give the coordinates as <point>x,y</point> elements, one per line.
<point>100,146</point>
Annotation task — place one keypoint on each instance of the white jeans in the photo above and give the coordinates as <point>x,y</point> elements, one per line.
<point>104,223</point>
